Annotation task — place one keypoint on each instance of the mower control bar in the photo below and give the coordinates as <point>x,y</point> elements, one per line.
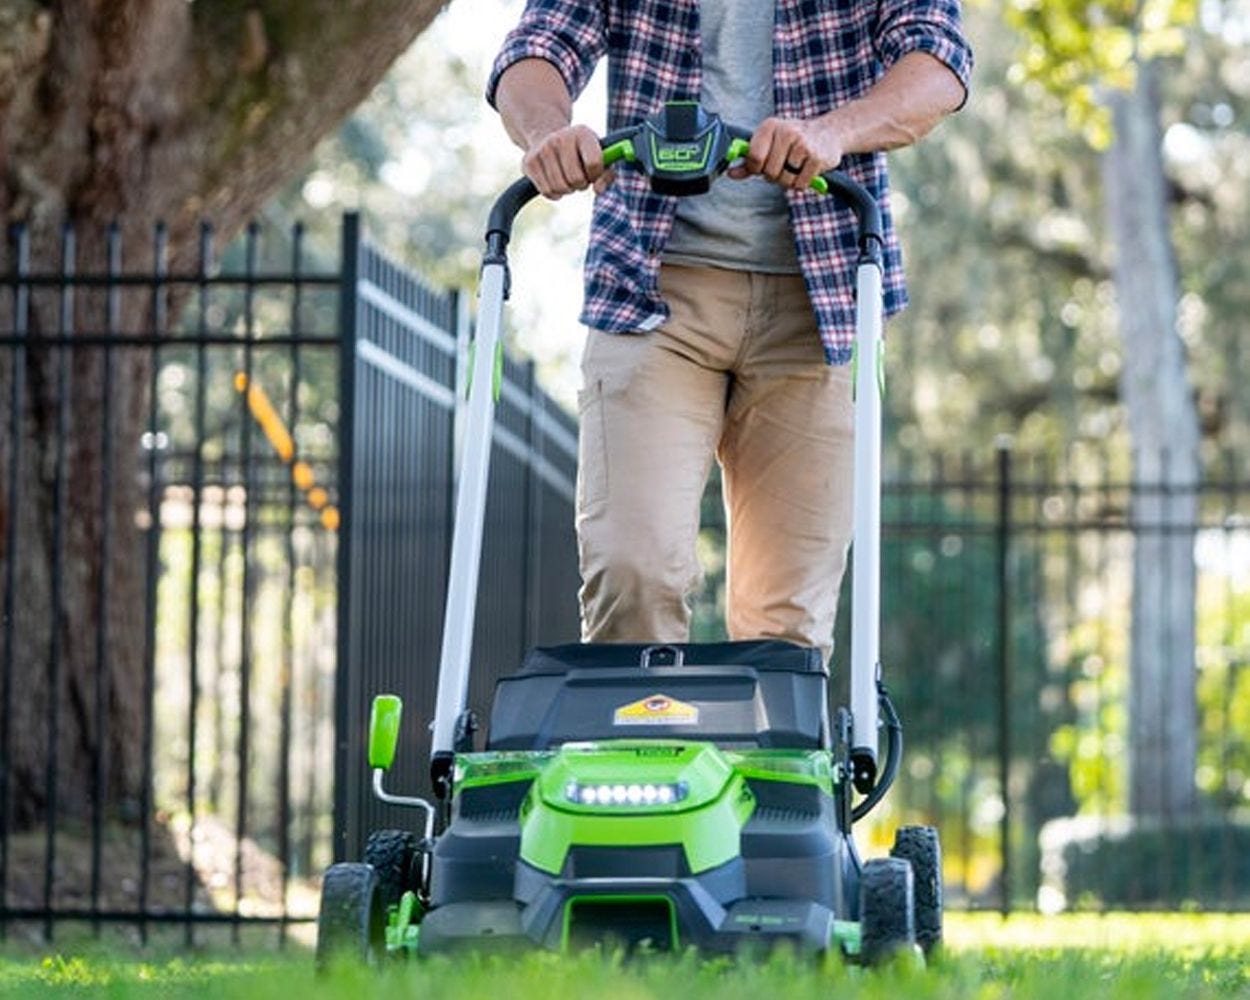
<point>682,149</point>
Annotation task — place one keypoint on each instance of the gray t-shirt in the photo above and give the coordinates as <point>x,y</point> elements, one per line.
<point>741,225</point>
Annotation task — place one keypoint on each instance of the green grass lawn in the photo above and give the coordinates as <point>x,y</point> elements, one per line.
<point>1055,958</point>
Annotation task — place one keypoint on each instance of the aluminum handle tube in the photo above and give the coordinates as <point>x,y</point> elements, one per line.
<point>866,576</point>
<point>466,542</point>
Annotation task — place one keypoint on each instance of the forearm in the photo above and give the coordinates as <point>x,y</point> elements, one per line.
<point>533,102</point>
<point>911,97</point>
<point>537,110</point>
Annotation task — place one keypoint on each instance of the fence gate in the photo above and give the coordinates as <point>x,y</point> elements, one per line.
<point>401,398</point>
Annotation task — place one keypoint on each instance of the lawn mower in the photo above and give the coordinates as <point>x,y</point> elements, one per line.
<point>659,796</point>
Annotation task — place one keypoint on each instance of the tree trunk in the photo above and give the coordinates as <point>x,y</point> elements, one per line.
<point>1163,424</point>
<point>57,518</point>
<point>136,111</point>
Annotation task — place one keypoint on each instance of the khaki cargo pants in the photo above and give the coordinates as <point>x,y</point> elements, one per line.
<point>738,372</point>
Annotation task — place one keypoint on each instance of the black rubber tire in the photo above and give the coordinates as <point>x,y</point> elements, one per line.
<point>351,926</point>
<point>886,910</point>
<point>920,846</point>
<point>393,855</point>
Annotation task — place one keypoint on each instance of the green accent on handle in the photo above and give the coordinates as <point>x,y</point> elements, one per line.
<point>854,368</point>
<point>880,368</point>
<point>496,378</point>
<point>384,719</point>
<point>615,900</point>
<point>820,185</point>
<point>496,382</point>
<point>737,150</point>
<point>623,150</point>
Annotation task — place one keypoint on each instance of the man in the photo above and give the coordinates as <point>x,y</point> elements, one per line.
<point>723,324</point>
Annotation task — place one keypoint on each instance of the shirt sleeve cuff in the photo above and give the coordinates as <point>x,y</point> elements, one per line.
<point>951,50</point>
<point>566,62</point>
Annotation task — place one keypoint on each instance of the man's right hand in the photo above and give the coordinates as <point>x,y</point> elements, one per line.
<point>566,160</point>
<point>536,110</point>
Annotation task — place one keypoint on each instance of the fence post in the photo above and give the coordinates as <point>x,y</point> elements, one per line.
<point>160,327</point>
<point>17,405</point>
<point>1003,658</point>
<point>59,503</point>
<point>349,276</point>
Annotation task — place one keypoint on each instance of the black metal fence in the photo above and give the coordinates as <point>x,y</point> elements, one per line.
<point>225,496</point>
<point>1010,611</point>
<point>188,643</point>
<point>169,579</point>
<point>410,360</point>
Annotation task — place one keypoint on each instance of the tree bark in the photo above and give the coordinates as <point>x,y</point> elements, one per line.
<point>134,111</point>
<point>1163,424</point>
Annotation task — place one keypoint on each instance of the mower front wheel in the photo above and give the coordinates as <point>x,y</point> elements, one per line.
<point>351,926</point>
<point>394,857</point>
<point>920,847</point>
<point>886,910</point>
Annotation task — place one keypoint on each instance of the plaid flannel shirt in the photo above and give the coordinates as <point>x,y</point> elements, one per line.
<point>825,53</point>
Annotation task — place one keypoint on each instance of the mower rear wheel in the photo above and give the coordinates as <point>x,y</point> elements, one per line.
<point>352,923</point>
<point>920,846</point>
<point>886,910</point>
<point>393,855</point>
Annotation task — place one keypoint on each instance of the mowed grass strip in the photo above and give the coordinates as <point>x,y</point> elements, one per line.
<point>1055,958</point>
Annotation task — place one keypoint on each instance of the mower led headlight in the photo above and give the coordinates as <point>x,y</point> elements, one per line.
<point>634,794</point>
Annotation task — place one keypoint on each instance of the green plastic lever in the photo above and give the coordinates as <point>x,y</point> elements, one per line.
<point>623,150</point>
<point>737,150</point>
<point>384,718</point>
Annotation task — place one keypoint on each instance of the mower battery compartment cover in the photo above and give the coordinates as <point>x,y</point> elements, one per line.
<point>763,693</point>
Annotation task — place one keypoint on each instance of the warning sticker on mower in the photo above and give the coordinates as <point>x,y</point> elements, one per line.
<point>656,710</point>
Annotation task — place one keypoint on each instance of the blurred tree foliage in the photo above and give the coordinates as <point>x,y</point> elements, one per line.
<point>1103,62</point>
<point>1012,327</point>
<point>1075,49</point>
<point>408,161</point>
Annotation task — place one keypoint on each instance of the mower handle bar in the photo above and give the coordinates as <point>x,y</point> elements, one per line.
<point>520,192</point>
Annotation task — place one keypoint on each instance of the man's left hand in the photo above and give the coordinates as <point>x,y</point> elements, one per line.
<point>791,152</point>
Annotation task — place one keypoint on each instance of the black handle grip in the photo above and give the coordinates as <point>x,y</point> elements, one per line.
<point>502,214</point>
<point>863,204</point>
<point>519,194</point>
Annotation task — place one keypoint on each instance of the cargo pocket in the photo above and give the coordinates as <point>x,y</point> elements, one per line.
<point>592,451</point>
